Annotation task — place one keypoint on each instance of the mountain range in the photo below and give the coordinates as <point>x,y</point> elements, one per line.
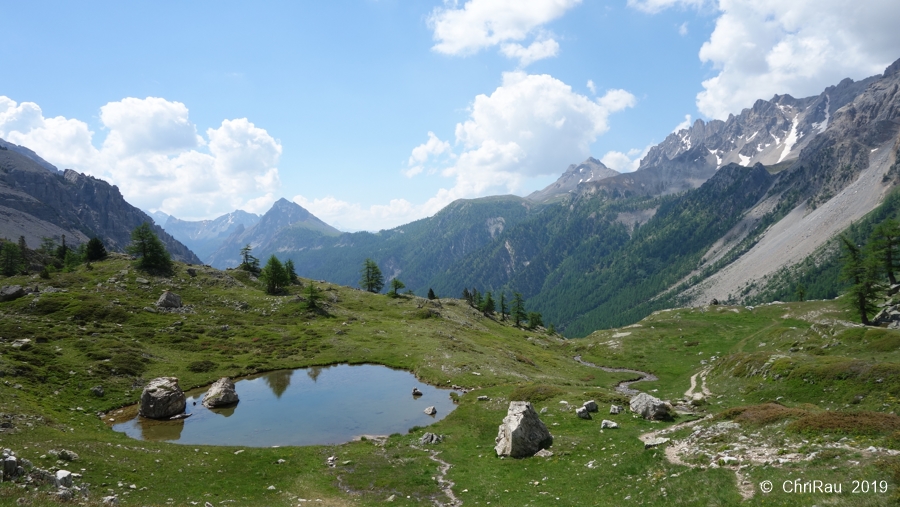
<point>724,209</point>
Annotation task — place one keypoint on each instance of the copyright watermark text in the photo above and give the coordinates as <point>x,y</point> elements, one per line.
<point>804,486</point>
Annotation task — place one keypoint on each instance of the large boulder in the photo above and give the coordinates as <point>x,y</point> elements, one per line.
<point>522,433</point>
<point>169,300</point>
<point>650,407</point>
<point>220,394</point>
<point>162,398</point>
<point>10,292</point>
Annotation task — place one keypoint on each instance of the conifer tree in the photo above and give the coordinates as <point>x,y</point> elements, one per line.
<point>95,251</point>
<point>885,241</point>
<point>291,272</point>
<point>150,251</point>
<point>248,261</point>
<point>10,259</point>
<point>860,269</point>
<point>371,278</point>
<point>274,275</point>
<point>312,297</point>
<point>504,309</point>
<point>534,320</point>
<point>431,294</point>
<point>518,309</point>
<point>396,285</point>
<point>487,306</point>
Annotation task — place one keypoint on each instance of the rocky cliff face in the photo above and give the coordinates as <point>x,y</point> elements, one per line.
<point>36,202</point>
<point>589,170</point>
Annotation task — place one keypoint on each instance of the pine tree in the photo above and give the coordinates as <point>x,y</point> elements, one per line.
<point>885,241</point>
<point>534,320</point>
<point>95,251</point>
<point>431,294</point>
<point>518,309</point>
<point>150,251</point>
<point>860,269</point>
<point>62,249</point>
<point>291,272</point>
<point>477,299</point>
<point>10,259</point>
<point>312,297</point>
<point>467,296</point>
<point>371,278</point>
<point>504,309</point>
<point>274,275</point>
<point>248,261</point>
<point>396,285</point>
<point>487,306</point>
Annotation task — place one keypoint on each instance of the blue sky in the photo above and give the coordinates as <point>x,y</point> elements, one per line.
<point>375,113</point>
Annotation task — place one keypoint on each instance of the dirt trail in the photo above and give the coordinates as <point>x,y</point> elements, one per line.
<point>703,389</point>
<point>624,385</point>
<point>445,484</point>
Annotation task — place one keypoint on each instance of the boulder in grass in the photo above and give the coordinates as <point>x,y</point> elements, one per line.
<point>162,398</point>
<point>221,393</point>
<point>11,292</point>
<point>583,413</point>
<point>591,406</point>
<point>650,407</point>
<point>522,433</point>
<point>169,300</point>
<point>607,424</point>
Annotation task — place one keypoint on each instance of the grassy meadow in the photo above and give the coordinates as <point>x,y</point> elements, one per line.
<point>810,394</point>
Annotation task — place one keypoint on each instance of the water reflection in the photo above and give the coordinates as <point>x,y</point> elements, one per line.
<point>160,431</point>
<point>328,405</point>
<point>278,381</point>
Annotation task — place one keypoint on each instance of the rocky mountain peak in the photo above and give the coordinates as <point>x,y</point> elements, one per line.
<point>589,170</point>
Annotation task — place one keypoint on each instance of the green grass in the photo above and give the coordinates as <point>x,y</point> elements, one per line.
<point>790,373</point>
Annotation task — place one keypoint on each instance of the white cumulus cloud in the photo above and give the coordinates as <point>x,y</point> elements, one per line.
<point>480,24</point>
<point>153,152</point>
<point>434,147</point>
<point>625,162</point>
<point>760,48</point>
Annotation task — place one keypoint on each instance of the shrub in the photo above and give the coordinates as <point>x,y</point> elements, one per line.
<point>760,415</point>
<point>201,366</point>
<point>850,423</point>
<point>534,393</point>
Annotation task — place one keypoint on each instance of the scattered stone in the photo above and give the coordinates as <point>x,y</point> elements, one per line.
<point>21,344</point>
<point>655,442</point>
<point>221,393</point>
<point>64,494</point>
<point>191,272</point>
<point>142,281</point>
<point>543,453</point>
<point>416,392</point>
<point>64,478</point>
<point>11,292</point>
<point>583,413</point>
<point>66,455</point>
<point>522,433</point>
<point>483,398</point>
<point>110,500</point>
<point>431,410</point>
<point>650,407</point>
<point>591,406</point>
<point>271,488</point>
<point>162,398</point>
<point>169,300</point>
<point>431,438</point>
<point>544,410</point>
<point>98,391</point>
<point>149,309</point>
<point>177,417</point>
<point>606,423</point>
<point>331,461</point>
<point>615,410</point>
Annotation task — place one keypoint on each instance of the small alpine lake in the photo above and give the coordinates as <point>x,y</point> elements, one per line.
<point>307,406</point>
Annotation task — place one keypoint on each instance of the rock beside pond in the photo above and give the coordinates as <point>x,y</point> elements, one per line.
<point>162,398</point>
<point>522,433</point>
<point>650,407</point>
<point>431,438</point>
<point>431,410</point>
<point>416,392</point>
<point>220,394</point>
